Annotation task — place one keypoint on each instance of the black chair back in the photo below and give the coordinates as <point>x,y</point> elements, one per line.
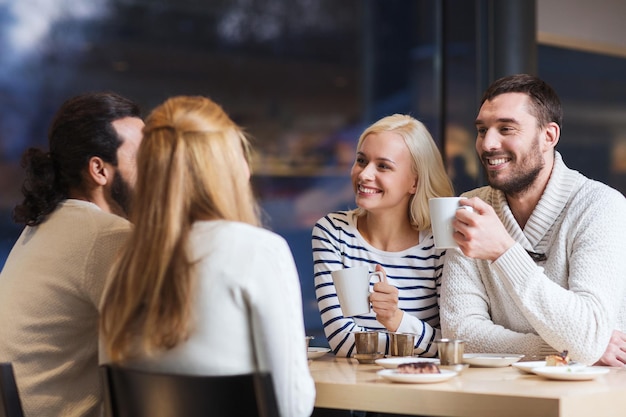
<point>134,393</point>
<point>10,403</point>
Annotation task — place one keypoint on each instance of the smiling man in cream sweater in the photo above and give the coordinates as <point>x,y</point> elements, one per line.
<point>542,260</point>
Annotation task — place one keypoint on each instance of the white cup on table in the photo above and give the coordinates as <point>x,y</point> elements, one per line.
<point>353,289</point>
<point>442,212</point>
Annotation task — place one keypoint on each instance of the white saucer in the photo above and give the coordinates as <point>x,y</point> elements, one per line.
<point>316,352</point>
<point>395,376</point>
<point>392,363</point>
<point>528,367</point>
<point>571,373</point>
<point>491,360</point>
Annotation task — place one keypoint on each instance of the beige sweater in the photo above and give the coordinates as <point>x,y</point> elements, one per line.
<point>50,288</point>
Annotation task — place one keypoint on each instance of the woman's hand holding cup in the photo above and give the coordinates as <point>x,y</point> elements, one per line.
<point>384,300</point>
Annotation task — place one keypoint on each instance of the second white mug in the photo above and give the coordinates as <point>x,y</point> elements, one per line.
<point>442,212</point>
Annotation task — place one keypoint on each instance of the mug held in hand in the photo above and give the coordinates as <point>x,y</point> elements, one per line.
<point>442,213</point>
<point>353,289</point>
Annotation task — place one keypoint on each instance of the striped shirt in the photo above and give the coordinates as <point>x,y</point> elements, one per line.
<point>415,272</point>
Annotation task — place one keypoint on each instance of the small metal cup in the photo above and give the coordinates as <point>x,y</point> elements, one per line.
<point>308,340</point>
<point>450,351</point>
<point>401,344</point>
<point>366,342</point>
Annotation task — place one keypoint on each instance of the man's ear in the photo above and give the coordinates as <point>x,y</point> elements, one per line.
<point>553,133</point>
<point>98,171</point>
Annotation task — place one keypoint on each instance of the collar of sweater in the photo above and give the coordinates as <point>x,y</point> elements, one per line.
<point>562,185</point>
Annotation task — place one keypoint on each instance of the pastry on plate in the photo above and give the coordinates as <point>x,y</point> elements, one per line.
<point>561,359</point>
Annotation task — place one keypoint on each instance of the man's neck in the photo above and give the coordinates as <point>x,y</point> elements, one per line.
<point>522,207</point>
<point>97,197</point>
<point>523,204</point>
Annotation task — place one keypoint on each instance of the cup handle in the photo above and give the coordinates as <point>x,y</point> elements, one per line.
<point>380,279</point>
<point>377,274</point>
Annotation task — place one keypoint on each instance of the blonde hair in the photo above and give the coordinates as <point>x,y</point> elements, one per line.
<point>427,164</point>
<point>189,168</point>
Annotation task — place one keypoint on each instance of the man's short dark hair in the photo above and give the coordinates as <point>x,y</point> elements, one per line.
<point>545,103</point>
<point>81,129</point>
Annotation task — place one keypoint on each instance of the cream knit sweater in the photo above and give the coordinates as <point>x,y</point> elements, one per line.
<point>571,301</point>
<point>247,314</point>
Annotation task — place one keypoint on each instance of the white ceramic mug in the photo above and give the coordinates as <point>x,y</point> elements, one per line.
<point>353,289</point>
<point>442,212</point>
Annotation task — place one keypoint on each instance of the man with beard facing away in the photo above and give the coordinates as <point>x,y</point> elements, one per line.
<point>76,197</point>
<point>543,262</point>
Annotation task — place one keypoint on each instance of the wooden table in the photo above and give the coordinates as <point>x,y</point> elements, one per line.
<point>477,392</point>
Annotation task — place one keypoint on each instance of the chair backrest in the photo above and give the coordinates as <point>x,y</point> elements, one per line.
<point>134,393</point>
<point>10,403</point>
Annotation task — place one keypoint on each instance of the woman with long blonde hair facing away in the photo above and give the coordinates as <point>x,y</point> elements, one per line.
<point>397,168</point>
<point>201,288</point>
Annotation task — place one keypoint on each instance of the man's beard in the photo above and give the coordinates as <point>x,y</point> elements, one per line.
<point>121,192</point>
<point>522,180</point>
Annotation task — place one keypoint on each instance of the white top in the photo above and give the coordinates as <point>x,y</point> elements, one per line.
<point>415,272</point>
<point>248,314</point>
<point>571,301</point>
<point>50,289</point>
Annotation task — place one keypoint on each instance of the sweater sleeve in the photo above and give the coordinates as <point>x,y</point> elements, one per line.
<point>581,316</point>
<point>466,313</point>
<point>275,301</point>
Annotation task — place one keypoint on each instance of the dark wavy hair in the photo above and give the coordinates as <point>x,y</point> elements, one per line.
<point>545,103</point>
<point>81,129</point>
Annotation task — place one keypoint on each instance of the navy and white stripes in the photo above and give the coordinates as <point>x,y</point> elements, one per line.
<point>416,272</point>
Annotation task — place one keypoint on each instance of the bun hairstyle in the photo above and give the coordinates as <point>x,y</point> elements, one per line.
<point>82,128</point>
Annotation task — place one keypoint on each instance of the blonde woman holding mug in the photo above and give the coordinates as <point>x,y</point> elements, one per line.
<point>397,168</point>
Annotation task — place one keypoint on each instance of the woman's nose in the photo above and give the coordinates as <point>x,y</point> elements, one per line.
<point>367,172</point>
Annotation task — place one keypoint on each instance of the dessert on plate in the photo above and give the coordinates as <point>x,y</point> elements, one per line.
<point>561,359</point>
<point>418,368</point>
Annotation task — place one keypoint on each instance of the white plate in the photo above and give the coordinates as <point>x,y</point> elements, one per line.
<point>316,352</point>
<point>395,376</point>
<point>570,373</point>
<point>392,363</point>
<point>529,366</point>
<point>491,360</point>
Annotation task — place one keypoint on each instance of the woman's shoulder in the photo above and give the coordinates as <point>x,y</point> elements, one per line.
<point>221,236</point>
<point>337,220</point>
<point>235,231</point>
